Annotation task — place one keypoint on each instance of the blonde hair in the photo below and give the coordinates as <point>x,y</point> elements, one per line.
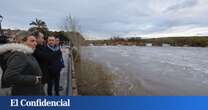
<point>22,36</point>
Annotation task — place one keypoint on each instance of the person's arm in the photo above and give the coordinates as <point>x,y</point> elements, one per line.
<point>15,66</point>
<point>61,59</point>
<point>62,62</point>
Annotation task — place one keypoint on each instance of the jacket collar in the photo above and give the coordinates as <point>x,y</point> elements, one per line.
<point>15,47</point>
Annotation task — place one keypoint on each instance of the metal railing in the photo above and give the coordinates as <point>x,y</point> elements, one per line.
<point>70,71</point>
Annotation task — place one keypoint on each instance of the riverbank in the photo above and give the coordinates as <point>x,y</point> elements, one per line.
<point>93,79</point>
<point>191,41</point>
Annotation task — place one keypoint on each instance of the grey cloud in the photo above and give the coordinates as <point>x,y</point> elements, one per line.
<point>106,17</point>
<point>181,5</point>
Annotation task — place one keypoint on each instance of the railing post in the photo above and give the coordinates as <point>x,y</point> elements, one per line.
<point>69,74</point>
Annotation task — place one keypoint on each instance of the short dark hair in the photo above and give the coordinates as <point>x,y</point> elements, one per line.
<point>36,34</point>
<point>57,37</point>
<point>51,36</point>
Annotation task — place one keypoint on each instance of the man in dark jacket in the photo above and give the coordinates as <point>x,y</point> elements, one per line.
<point>41,55</point>
<point>58,48</point>
<point>54,65</point>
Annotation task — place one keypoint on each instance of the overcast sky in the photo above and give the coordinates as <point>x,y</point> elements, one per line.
<point>107,18</point>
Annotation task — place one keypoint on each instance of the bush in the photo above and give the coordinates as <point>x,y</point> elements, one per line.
<point>93,79</point>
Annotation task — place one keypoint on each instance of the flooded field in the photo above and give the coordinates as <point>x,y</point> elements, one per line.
<point>153,70</point>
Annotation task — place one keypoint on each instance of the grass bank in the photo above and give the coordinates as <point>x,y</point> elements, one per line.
<point>93,79</point>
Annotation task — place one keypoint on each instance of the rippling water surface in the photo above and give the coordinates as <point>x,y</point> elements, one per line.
<point>154,70</point>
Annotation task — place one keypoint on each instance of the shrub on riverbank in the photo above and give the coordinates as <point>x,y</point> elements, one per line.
<point>92,79</point>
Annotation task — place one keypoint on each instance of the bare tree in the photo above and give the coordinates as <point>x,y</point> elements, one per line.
<point>72,27</point>
<point>71,24</point>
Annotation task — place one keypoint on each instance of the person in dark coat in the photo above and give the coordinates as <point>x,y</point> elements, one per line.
<point>54,66</point>
<point>42,56</point>
<point>58,48</point>
<point>21,71</point>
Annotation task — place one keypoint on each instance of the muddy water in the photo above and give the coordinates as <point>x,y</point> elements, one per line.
<point>154,70</point>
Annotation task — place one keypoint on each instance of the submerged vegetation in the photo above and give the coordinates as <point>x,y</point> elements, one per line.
<point>93,79</point>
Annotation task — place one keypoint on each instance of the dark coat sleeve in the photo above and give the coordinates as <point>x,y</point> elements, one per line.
<point>42,54</point>
<point>15,67</point>
<point>60,58</point>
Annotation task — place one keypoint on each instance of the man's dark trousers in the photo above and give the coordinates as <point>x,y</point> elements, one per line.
<point>53,81</point>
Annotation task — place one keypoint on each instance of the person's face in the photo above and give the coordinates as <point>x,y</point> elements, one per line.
<point>31,42</point>
<point>51,41</point>
<point>57,41</point>
<point>40,39</point>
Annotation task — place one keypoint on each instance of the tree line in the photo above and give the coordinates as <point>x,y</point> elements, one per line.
<point>193,41</point>
<point>69,32</point>
<point>70,29</point>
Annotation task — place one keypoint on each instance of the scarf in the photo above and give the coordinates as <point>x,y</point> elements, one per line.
<point>54,48</point>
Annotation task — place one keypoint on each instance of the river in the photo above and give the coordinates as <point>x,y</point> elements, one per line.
<point>153,70</point>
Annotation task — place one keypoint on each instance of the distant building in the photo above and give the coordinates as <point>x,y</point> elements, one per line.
<point>91,44</point>
<point>10,34</point>
<point>148,44</point>
<point>186,45</point>
<point>165,45</point>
